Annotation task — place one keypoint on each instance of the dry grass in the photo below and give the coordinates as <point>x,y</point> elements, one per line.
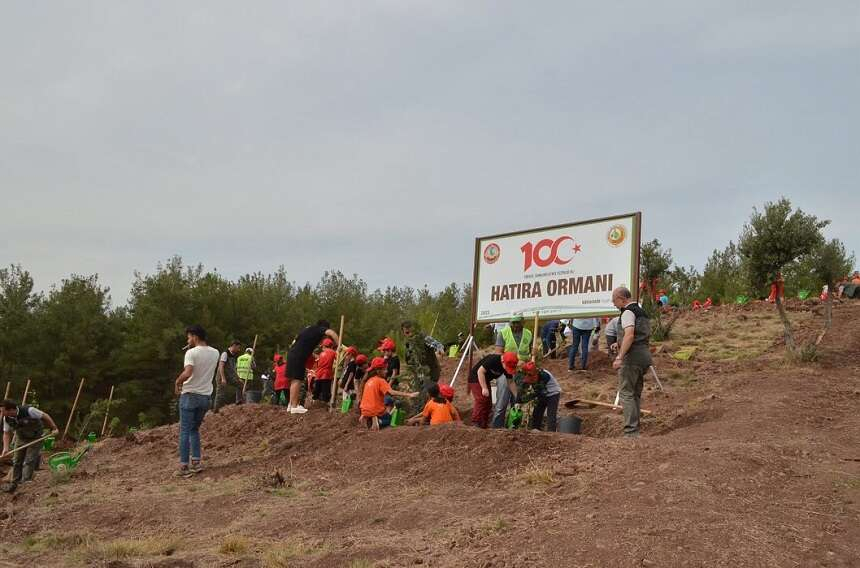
<point>234,545</point>
<point>727,335</point>
<point>292,554</point>
<point>360,563</point>
<point>537,475</point>
<point>42,542</point>
<point>495,526</point>
<point>124,548</point>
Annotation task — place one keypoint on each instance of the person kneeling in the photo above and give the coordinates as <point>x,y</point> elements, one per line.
<point>438,409</point>
<point>372,405</point>
<point>539,385</point>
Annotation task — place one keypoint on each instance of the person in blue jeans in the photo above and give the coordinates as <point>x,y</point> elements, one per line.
<point>582,329</point>
<point>194,387</point>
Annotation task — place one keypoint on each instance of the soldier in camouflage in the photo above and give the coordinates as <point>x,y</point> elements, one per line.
<point>421,361</point>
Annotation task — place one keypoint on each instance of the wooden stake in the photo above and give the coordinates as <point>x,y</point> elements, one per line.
<point>335,381</point>
<point>536,337</point>
<point>72,413</point>
<point>8,388</point>
<point>253,353</point>
<point>107,412</point>
<point>26,392</point>
<point>572,403</point>
<point>432,329</point>
<point>27,445</point>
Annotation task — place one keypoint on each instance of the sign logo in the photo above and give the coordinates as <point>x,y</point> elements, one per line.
<point>616,235</point>
<point>536,253</point>
<point>492,252</point>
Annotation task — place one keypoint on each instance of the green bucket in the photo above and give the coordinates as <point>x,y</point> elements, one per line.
<point>398,417</point>
<point>346,405</point>
<point>514,418</point>
<point>48,443</point>
<point>91,437</point>
<point>61,462</point>
<point>454,352</point>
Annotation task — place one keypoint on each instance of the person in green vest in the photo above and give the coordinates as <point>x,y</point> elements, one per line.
<point>245,367</point>
<point>515,338</point>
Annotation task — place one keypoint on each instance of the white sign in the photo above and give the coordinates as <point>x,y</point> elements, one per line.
<point>561,271</point>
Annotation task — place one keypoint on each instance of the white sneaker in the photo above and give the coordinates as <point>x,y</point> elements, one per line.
<point>289,407</point>
<point>298,409</point>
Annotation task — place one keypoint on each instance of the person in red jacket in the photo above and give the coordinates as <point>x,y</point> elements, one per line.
<point>282,383</point>
<point>324,372</point>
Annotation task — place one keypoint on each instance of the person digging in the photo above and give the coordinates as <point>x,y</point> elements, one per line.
<point>26,423</point>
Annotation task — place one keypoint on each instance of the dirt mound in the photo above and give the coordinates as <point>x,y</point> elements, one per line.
<point>748,461</point>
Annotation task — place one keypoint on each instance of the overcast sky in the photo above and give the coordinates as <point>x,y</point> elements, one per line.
<point>380,137</point>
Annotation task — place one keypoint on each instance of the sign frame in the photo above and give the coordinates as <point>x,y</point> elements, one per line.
<point>636,239</point>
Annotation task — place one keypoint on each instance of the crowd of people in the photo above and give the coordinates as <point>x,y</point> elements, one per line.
<point>384,392</point>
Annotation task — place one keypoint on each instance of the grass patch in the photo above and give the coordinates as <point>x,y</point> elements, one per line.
<point>537,475</point>
<point>291,553</point>
<point>682,378</point>
<point>234,545</point>
<point>125,548</point>
<point>360,563</point>
<point>284,492</point>
<point>41,542</point>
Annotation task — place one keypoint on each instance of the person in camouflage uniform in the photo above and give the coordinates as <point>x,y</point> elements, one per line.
<point>421,362</point>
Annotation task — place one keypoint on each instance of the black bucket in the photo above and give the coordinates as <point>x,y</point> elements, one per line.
<point>570,425</point>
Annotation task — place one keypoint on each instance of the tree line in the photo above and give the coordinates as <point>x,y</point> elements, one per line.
<point>74,331</point>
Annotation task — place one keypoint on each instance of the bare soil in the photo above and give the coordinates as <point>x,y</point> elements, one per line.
<point>749,460</point>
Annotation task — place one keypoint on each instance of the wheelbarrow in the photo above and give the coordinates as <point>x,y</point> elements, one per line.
<point>65,461</point>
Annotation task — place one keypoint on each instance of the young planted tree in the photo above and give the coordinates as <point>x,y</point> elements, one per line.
<point>654,263</point>
<point>828,263</point>
<point>773,238</point>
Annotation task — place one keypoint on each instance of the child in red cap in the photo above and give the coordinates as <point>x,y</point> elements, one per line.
<point>438,409</point>
<point>354,374</point>
<point>282,383</point>
<point>324,371</point>
<point>372,403</point>
<point>389,353</point>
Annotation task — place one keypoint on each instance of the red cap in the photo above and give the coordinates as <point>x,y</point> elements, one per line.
<point>509,361</point>
<point>278,357</point>
<point>387,344</point>
<point>361,359</point>
<point>378,363</point>
<point>327,342</point>
<point>446,391</point>
<point>530,372</point>
<point>352,350</point>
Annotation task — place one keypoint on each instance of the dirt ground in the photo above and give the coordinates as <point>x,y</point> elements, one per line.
<point>748,460</point>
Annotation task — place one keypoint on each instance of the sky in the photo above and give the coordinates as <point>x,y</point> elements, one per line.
<point>381,137</point>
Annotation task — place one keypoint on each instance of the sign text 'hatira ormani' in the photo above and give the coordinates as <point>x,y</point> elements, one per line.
<point>557,287</point>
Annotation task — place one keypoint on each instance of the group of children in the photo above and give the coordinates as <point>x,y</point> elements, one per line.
<point>370,384</point>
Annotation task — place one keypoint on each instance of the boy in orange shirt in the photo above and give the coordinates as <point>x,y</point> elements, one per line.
<point>438,409</point>
<point>373,397</point>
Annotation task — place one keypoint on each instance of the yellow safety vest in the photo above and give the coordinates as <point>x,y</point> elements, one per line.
<point>243,367</point>
<point>524,350</point>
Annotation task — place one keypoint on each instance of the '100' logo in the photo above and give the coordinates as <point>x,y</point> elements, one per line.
<point>546,252</point>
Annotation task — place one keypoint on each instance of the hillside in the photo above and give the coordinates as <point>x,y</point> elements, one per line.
<point>748,461</point>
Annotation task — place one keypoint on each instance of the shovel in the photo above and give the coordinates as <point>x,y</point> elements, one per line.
<point>592,403</point>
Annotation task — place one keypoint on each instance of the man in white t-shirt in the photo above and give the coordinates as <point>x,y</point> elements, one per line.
<point>194,387</point>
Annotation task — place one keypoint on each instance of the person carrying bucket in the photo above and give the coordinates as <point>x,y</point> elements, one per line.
<point>534,383</point>
<point>26,423</point>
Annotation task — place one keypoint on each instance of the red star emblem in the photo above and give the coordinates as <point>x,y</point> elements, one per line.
<point>577,248</point>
